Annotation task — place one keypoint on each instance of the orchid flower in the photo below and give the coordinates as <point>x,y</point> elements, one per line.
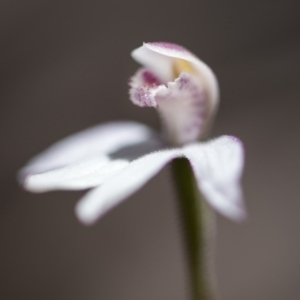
<point>116,159</point>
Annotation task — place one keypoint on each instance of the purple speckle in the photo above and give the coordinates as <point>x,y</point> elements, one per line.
<point>170,46</point>
<point>150,79</point>
<point>234,138</point>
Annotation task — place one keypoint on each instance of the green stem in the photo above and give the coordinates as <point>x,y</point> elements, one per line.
<point>194,221</point>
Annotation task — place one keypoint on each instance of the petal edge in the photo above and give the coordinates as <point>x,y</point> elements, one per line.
<point>218,166</point>
<point>100,200</point>
<point>104,138</point>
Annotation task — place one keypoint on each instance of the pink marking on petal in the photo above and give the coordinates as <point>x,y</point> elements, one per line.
<point>171,50</point>
<point>170,46</point>
<point>150,79</point>
<point>143,88</point>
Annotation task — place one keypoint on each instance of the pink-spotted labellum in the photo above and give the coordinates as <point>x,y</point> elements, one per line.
<point>181,87</point>
<point>116,159</point>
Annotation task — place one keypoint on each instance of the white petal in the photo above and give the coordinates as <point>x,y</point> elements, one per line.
<point>99,139</point>
<point>159,58</point>
<point>218,166</point>
<point>86,174</point>
<point>159,64</point>
<point>98,201</point>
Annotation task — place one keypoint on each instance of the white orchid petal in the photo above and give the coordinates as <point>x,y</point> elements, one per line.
<point>86,174</point>
<point>99,139</point>
<point>218,166</point>
<point>161,65</point>
<point>98,201</point>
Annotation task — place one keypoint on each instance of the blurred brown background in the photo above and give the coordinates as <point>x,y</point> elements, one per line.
<point>64,66</point>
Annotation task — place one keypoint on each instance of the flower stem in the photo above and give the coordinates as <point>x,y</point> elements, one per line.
<point>194,221</point>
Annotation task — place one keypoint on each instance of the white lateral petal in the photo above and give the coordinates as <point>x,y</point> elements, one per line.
<point>218,166</point>
<point>99,139</point>
<point>98,201</point>
<point>86,174</point>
